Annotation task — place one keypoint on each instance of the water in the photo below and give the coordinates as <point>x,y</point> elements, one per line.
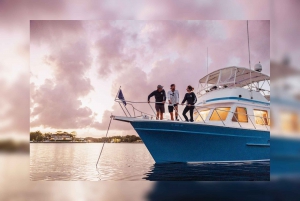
<point>128,162</point>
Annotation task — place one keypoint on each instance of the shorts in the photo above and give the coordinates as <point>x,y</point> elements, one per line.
<point>160,107</point>
<point>171,108</point>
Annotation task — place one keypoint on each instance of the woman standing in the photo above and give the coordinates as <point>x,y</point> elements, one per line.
<point>191,99</point>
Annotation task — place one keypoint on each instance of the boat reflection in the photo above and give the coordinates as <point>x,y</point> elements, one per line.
<point>250,171</point>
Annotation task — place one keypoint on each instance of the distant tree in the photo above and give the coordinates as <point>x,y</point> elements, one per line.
<point>36,136</point>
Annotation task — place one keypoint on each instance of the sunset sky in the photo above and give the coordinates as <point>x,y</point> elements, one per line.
<point>77,66</point>
<point>15,17</point>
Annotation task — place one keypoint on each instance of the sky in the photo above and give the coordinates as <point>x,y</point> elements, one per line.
<point>76,67</point>
<point>15,19</point>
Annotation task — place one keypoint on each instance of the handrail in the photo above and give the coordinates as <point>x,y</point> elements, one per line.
<point>202,91</point>
<point>196,108</point>
<point>135,109</point>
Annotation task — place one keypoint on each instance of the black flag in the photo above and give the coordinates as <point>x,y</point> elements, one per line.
<point>121,97</point>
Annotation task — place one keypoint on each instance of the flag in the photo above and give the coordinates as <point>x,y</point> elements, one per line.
<point>121,97</point>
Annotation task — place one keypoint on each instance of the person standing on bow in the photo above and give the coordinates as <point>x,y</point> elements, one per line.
<point>191,99</point>
<point>160,99</point>
<point>173,99</point>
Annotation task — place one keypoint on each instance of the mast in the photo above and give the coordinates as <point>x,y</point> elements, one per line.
<point>249,60</point>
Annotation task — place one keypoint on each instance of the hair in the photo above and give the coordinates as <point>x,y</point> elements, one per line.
<point>190,88</point>
<point>172,85</point>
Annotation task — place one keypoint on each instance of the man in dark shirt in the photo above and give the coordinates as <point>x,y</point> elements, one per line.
<point>160,99</point>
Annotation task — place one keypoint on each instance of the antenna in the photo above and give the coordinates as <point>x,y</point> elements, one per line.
<point>207,61</point>
<point>249,59</point>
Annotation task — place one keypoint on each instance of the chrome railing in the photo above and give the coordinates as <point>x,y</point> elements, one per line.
<point>153,116</point>
<point>202,91</point>
<point>234,115</point>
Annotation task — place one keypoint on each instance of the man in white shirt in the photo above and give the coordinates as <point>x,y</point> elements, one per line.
<point>173,99</point>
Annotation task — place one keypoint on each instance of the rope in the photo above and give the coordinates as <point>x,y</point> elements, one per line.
<point>104,141</point>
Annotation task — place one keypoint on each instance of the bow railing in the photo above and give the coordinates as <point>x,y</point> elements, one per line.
<point>137,113</point>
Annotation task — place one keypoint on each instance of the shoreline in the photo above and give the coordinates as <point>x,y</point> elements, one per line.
<point>90,142</point>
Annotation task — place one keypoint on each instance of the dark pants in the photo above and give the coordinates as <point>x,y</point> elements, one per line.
<point>186,109</point>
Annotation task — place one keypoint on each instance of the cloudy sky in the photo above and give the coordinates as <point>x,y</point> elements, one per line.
<point>77,66</point>
<point>15,19</point>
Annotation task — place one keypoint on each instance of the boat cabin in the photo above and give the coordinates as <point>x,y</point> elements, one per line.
<point>235,97</point>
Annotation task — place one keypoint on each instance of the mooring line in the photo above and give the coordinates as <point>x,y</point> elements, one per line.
<point>104,140</point>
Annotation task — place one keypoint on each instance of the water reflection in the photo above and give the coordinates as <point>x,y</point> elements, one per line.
<point>255,171</point>
<point>233,191</point>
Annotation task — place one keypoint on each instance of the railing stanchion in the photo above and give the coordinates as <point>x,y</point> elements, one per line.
<point>219,116</point>
<point>133,108</point>
<point>152,109</point>
<point>264,123</point>
<point>251,122</point>
<point>237,119</point>
<point>199,114</point>
<point>123,109</point>
<point>127,111</point>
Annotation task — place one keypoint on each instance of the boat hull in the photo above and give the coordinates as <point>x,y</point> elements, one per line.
<point>194,142</point>
<point>285,156</point>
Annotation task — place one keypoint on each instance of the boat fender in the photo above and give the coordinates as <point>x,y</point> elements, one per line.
<point>240,96</point>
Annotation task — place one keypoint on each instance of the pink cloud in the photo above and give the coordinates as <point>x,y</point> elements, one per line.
<point>57,100</point>
<point>186,40</point>
<point>15,103</point>
<point>16,14</point>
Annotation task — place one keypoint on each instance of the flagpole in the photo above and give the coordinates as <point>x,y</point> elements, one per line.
<point>119,102</point>
<point>118,93</point>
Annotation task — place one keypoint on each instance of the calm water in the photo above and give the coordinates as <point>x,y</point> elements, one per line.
<point>129,162</point>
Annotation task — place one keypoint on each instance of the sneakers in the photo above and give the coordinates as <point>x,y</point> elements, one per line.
<point>191,120</point>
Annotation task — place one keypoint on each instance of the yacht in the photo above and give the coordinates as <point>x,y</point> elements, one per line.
<point>231,121</point>
<point>285,135</point>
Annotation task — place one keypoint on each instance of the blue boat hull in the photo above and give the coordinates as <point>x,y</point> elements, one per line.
<point>193,142</point>
<point>285,156</point>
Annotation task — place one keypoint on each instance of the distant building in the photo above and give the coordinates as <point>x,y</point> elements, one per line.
<point>115,140</point>
<point>62,136</point>
<point>80,140</point>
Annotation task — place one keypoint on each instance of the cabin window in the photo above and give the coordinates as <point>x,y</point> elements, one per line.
<point>240,115</point>
<point>289,122</point>
<point>220,114</point>
<point>203,113</point>
<point>261,117</point>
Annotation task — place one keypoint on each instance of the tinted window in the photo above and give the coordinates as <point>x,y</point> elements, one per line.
<point>240,115</point>
<point>220,114</point>
<point>261,117</point>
